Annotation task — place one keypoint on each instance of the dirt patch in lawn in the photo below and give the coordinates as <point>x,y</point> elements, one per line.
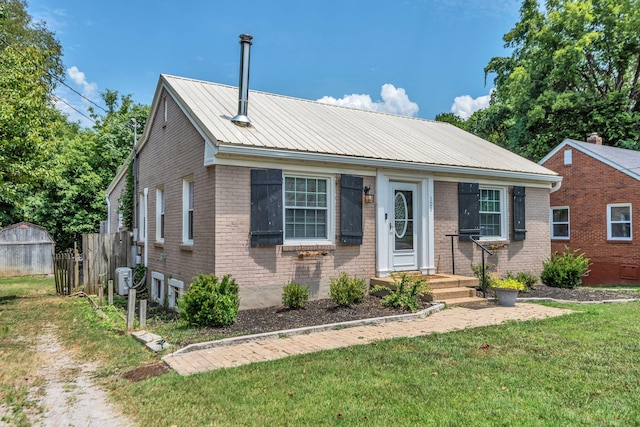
<point>68,396</point>
<point>148,370</point>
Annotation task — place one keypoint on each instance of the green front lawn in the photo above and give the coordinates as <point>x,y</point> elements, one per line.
<point>579,369</point>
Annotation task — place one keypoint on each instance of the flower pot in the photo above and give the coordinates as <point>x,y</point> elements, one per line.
<point>506,297</point>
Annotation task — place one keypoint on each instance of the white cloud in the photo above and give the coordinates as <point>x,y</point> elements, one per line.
<point>463,106</point>
<point>74,106</point>
<point>394,101</point>
<point>89,90</point>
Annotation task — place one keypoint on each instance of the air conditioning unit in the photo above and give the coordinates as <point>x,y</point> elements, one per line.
<point>124,280</point>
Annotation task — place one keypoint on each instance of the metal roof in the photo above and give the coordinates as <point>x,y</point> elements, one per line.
<point>297,125</point>
<point>622,159</point>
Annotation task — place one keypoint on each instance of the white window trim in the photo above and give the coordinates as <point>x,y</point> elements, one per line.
<point>171,294</point>
<point>185,211</point>
<point>331,209</point>
<point>551,222</point>
<point>157,276</point>
<point>142,216</point>
<point>160,210</point>
<point>503,213</point>
<point>610,222</point>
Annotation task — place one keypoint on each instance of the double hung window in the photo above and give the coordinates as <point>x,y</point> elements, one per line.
<point>306,208</point>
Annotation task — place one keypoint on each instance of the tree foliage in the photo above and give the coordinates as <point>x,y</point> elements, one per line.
<point>73,201</point>
<point>574,70</point>
<point>30,64</point>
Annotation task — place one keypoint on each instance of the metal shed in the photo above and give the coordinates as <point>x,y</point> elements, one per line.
<point>26,250</point>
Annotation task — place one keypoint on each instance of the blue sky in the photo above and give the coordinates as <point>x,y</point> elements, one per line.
<point>410,57</point>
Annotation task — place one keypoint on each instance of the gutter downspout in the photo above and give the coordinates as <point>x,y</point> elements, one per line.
<point>108,214</point>
<point>556,187</point>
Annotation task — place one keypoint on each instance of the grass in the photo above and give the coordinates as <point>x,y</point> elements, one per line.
<point>574,370</point>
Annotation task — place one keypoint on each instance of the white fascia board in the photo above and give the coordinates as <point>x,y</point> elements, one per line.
<point>573,144</point>
<point>555,150</point>
<point>380,163</point>
<point>155,104</point>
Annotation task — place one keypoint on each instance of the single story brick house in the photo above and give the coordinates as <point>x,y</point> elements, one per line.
<point>593,210</point>
<point>303,190</point>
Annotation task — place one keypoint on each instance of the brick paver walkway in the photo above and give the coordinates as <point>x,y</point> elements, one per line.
<point>277,347</point>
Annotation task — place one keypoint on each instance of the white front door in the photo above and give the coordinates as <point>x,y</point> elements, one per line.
<point>403,228</point>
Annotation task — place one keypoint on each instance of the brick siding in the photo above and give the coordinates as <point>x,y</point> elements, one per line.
<point>588,186</point>
<point>509,256</point>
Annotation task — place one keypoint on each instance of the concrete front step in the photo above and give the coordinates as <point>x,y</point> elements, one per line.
<point>467,301</point>
<point>450,289</point>
<point>444,294</point>
<point>436,281</point>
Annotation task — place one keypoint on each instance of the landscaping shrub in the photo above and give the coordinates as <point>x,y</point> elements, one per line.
<point>489,274</point>
<point>345,291</point>
<point>564,270</point>
<point>526,278</point>
<point>210,301</point>
<point>406,293</point>
<point>295,295</point>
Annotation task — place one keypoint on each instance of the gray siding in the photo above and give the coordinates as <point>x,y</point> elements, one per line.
<point>25,250</point>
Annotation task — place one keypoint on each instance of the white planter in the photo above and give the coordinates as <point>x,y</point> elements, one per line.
<point>506,297</point>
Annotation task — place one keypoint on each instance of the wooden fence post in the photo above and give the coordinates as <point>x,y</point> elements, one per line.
<point>76,265</point>
<point>100,296</point>
<point>110,292</point>
<point>143,313</point>
<point>131,309</point>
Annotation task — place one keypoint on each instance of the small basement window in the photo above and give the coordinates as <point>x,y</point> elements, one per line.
<point>176,289</point>
<point>157,287</point>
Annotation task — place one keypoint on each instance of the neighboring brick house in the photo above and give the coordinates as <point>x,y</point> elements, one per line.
<point>596,208</point>
<point>309,190</point>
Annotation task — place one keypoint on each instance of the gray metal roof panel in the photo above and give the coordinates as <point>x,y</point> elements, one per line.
<point>285,123</point>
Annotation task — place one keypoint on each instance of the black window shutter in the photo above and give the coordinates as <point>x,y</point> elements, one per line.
<point>519,230</point>
<point>266,207</point>
<point>351,209</point>
<point>468,210</point>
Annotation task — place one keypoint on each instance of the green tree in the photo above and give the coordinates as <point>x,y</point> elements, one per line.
<point>30,65</point>
<point>451,119</point>
<point>73,201</point>
<point>574,70</point>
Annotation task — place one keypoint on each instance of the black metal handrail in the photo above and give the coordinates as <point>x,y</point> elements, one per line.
<point>484,249</point>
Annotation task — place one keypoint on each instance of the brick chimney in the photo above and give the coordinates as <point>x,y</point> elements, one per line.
<point>595,139</point>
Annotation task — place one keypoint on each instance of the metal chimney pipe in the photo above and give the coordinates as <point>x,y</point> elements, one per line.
<point>243,86</point>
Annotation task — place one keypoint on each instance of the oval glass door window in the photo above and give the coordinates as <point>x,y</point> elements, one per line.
<point>401,215</point>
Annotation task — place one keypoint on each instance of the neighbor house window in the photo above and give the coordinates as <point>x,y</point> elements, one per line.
<point>157,287</point>
<point>492,213</point>
<point>187,211</point>
<point>160,214</point>
<point>306,208</point>
<point>560,222</point>
<point>619,221</point>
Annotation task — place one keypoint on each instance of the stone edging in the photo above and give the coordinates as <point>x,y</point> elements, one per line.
<point>306,330</point>
<point>564,301</point>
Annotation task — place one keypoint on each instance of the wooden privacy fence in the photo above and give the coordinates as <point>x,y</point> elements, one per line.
<point>66,272</point>
<point>102,254</point>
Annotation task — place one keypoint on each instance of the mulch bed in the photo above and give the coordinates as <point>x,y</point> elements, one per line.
<point>325,311</point>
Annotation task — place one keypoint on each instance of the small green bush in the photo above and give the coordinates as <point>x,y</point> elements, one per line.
<point>295,295</point>
<point>406,293</point>
<point>489,274</point>
<point>509,283</point>
<point>526,278</point>
<point>210,301</point>
<point>564,270</point>
<point>345,291</point>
